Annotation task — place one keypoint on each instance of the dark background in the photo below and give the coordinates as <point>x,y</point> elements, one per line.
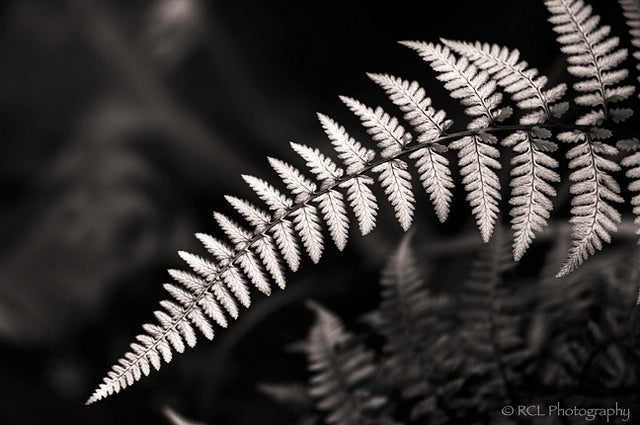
<point>123,124</point>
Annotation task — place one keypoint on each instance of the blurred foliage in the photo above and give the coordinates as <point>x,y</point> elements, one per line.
<point>458,355</point>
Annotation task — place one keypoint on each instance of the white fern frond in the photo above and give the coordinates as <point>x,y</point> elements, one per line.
<point>631,10</point>
<point>593,189</point>
<point>300,186</point>
<point>334,212</point>
<point>363,202</point>
<point>324,168</point>
<point>287,243</point>
<point>428,122</point>
<point>433,166</point>
<point>593,58</point>
<point>396,182</point>
<point>479,162</point>
<point>532,175</point>
<point>351,152</point>
<point>464,81</point>
<point>525,86</point>
<point>208,303</point>
<point>384,129</point>
<point>307,224</point>
<point>271,196</point>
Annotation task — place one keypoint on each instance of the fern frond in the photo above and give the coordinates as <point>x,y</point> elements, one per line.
<point>412,321</point>
<point>531,189</point>
<point>332,202</point>
<point>433,167</point>
<point>384,129</point>
<point>341,368</point>
<point>363,202</point>
<point>631,10</point>
<point>593,189</point>
<point>525,86</point>
<point>350,151</point>
<point>593,58</point>
<point>256,254</point>
<point>393,176</point>
<point>464,81</point>
<point>490,313</point>
<point>478,159</point>
<point>475,90</point>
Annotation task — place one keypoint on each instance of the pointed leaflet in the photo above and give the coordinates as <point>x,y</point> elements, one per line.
<point>476,154</point>
<point>230,274</point>
<point>241,238</point>
<point>593,189</point>
<point>532,167</point>
<point>393,175</point>
<point>331,203</point>
<point>282,231</point>
<point>355,157</point>
<point>264,245</point>
<point>430,124</point>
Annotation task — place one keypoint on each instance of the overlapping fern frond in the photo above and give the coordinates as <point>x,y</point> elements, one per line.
<point>341,369</point>
<point>594,58</point>
<point>413,323</point>
<point>334,190</point>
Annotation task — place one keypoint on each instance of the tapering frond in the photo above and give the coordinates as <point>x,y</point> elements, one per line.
<point>396,182</point>
<point>490,312</point>
<point>307,224</point>
<point>351,152</point>
<point>255,253</point>
<point>594,219</point>
<point>478,160</point>
<point>384,129</point>
<point>410,318</point>
<point>594,58</point>
<point>432,165</point>
<point>532,175</point>
<point>341,369</point>
<point>363,202</point>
